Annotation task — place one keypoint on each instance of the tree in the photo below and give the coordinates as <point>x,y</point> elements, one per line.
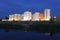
<point>0,19</point>
<point>51,20</point>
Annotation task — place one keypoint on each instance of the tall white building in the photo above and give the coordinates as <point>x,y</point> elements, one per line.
<point>47,14</point>
<point>27,16</point>
<point>36,16</point>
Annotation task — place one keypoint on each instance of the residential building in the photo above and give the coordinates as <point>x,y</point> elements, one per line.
<point>27,16</point>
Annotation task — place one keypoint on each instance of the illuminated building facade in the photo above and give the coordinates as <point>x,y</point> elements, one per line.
<point>27,16</point>
<point>11,17</point>
<point>15,17</point>
<point>36,16</point>
<point>47,14</point>
<point>41,17</point>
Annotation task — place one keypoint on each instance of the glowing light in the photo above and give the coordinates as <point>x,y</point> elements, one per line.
<point>15,17</point>
<point>27,16</point>
<point>54,16</point>
<point>41,17</point>
<point>47,19</point>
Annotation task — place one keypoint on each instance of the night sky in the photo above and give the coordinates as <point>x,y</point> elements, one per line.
<point>19,6</point>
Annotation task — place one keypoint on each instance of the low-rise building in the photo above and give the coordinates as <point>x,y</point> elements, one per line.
<point>56,19</point>
<point>15,17</point>
<point>36,16</point>
<point>41,17</point>
<point>4,19</point>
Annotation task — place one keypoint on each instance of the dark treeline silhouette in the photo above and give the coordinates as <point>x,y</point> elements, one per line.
<point>0,19</point>
<point>35,26</point>
<point>6,17</point>
<point>52,20</point>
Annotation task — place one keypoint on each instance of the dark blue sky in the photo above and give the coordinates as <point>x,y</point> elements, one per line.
<point>19,6</point>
